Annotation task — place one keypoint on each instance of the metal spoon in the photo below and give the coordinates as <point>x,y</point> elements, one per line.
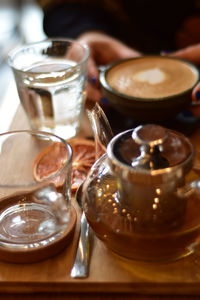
<point>80,267</point>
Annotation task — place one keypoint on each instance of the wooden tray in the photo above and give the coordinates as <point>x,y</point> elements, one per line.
<point>108,272</point>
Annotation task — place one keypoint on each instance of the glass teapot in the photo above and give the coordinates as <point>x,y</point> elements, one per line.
<point>135,197</point>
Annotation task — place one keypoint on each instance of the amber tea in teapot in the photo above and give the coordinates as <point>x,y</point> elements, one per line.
<point>135,197</point>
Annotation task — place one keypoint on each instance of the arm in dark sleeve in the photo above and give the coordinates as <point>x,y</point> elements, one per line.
<point>72,19</point>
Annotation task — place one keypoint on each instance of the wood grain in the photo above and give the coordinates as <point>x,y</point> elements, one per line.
<point>109,273</point>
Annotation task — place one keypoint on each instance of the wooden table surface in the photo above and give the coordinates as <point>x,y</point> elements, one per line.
<point>111,277</point>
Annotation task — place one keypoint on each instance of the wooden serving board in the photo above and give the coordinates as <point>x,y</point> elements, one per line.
<point>108,272</point>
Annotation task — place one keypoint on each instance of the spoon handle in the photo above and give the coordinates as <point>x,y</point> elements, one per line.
<point>81,263</point>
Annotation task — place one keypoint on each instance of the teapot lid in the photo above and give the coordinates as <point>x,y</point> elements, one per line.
<point>150,147</point>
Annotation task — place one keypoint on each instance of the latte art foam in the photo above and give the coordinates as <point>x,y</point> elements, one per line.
<point>152,77</point>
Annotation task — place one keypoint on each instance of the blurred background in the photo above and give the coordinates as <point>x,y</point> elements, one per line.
<point>20,22</point>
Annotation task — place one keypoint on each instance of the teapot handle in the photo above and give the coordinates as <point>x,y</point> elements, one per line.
<point>190,189</point>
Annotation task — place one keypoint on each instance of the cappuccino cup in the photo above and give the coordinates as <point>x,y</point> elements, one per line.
<point>148,87</point>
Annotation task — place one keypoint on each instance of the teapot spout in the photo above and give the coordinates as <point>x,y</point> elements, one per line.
<point>101,129</point>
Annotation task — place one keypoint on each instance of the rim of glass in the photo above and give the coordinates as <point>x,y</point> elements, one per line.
<point>16,50</point>
<point>49,178</point>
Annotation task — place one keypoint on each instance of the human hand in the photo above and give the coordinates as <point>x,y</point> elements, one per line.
<point>104,49</point>
<point>192,54</point>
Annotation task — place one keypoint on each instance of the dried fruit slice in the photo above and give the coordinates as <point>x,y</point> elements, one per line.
<point>49,161</point>
<point>83,159</point>
<point>54,157</point>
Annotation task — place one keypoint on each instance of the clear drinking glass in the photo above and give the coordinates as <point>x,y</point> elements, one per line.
<point>51,78</point>
<point>35,187</point>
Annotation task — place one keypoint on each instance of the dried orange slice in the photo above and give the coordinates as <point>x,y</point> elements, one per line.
<point>83,159</point>
<point>49,161</point>
<point>53,158</point>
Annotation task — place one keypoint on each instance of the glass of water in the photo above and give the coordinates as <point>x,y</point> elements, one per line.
<point>37,219</point>
<point>51,82</point>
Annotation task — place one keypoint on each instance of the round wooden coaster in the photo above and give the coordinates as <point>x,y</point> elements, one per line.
<point>32,255</point>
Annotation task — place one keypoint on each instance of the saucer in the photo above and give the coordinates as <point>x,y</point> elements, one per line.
<point>35,252</point>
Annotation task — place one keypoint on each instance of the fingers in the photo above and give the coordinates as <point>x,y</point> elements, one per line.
<point>122,51</point>
<point>191,54</point>
<point>92,69</point>
<point>103,50</point>
<point>196,93</point>
<point>195,109</point>
<point>93,93</point>
<point>115,50</point>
